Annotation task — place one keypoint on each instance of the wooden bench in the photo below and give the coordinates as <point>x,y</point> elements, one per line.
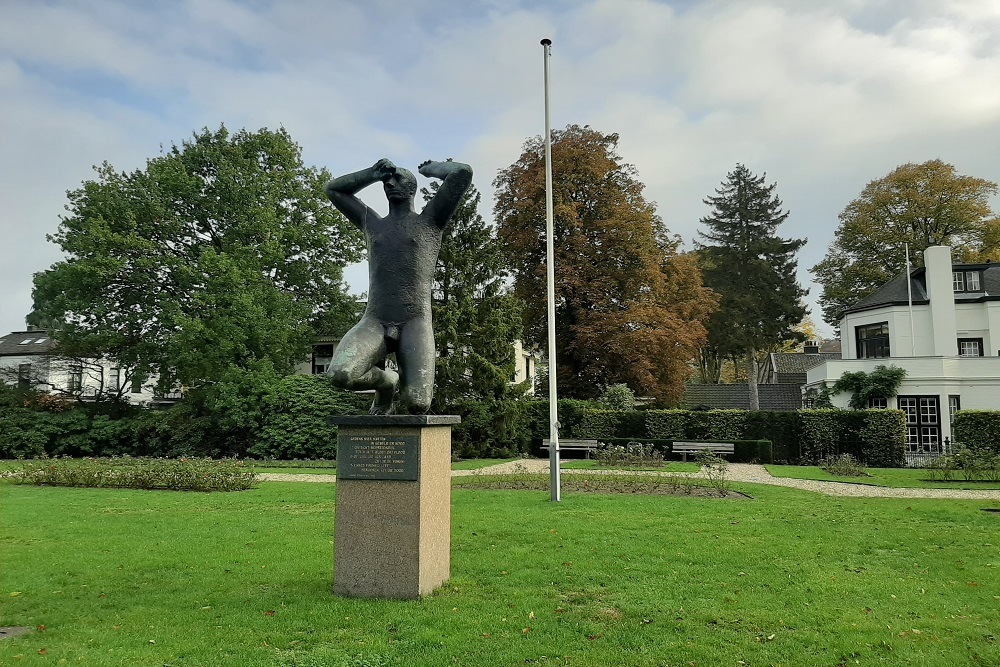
<point>686,448</point>
<point>568,443</point>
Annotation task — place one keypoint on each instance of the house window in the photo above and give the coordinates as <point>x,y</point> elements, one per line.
<point>24,376</point>
<point>873,340</point>
<point>970,347</point>
<point>136,384</point>
<point>954,405</point>
<point>114,379</point>
<point>967,281</point>
<point>878,402</point>
<point>923,423</point>
<point>75,377</point>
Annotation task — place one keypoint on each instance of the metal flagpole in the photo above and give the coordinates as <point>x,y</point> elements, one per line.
<point>550,274</point>
<point>909,301</point>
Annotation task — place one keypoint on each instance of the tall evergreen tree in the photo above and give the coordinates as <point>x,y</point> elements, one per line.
<point>475,320</point>
<point>629,306</point>
<point>753,271</point>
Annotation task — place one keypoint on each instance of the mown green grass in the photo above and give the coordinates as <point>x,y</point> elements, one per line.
<point>916,478</point>
<point>789,578</point>
<point>669,466</point>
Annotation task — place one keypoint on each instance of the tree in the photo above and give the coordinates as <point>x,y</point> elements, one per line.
<point>218,256</point>
<point>629,306</point>
<point>919,204</point>
<point>753,271</point>
<point>475,320</point>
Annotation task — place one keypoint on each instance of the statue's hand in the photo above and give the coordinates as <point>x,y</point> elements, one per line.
<point>433,169</point>
<point>383,169</point>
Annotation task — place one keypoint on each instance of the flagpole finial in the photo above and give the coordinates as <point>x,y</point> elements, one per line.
<point>546,42</point>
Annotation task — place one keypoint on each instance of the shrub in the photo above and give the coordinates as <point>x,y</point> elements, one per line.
<point>978,428</point>
<point>570,415</point>
<point>883,438</point>
<point>820,434</point>
<point>492,429</point>
<point>753,451</point>
<point>596,424</point>
<point>715,468</point>
<point>844,465</point>
<point>783,429</point>
<point>882,382</point>
<point>618,397</point>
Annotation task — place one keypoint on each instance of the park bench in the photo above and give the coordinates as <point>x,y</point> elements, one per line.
<point>686,448</point>
<point>586,446</point>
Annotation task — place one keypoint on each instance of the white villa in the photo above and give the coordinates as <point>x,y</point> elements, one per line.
<point>941,324</point>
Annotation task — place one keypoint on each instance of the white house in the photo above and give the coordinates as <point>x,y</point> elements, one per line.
<point>941,324</point>
<point>29,360</point>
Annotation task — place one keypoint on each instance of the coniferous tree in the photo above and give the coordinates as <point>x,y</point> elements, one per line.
<point>629,306</point>
<point>475,320</point>
<point>753,271</point>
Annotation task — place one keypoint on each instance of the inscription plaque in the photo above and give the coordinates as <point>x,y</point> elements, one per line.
<point>378,457</point>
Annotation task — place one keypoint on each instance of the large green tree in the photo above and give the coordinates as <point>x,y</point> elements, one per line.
<point>629,307</point>
<point>752,269</point>
<point>476,320</point>
<point>917,204</point>
<point>221,255</point>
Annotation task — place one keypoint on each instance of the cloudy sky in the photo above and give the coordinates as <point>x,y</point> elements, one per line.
<point>822,95</point>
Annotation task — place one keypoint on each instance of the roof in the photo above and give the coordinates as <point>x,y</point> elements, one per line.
<point>20,343</point>
<point>737,396</point>
<point>893,293</point>
<point>799,362</point>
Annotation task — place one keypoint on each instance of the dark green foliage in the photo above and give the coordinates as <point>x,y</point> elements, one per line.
<point>783,429</point>
<point>618,397</point>
<point>491,429</point>
<point>751,268</point>
<point>753,451</point>
<point>667,423</point>
<point>475,320</point>
<point>219,255</point>
<point>571,413</point>
<point>608,423</point>
<point>882,382</point>
<point>295,418</point>
<point>883,438</point>
<point>978,429</point>
<point>820,433</point>
<point>140,473</point>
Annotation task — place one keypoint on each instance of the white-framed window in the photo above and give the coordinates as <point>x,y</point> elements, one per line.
<point>75,377</point>
<point>923,423</point>
<point>878,402</point>
<point>967,281</point>
<point>24,376</point>
<point>970,347</point>
<point>954,405</point>
<point>114,378</point>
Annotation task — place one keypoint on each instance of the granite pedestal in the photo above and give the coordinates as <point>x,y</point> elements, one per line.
<point>392,530</point>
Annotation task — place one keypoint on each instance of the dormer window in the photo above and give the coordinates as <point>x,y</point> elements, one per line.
<point>967,281</point>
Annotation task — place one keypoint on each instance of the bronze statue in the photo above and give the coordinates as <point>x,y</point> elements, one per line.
<point>403,250</point>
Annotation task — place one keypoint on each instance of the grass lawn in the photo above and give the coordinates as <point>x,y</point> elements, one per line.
<point>670,466</point>
<point>916,478</point>
<point>153,578</point>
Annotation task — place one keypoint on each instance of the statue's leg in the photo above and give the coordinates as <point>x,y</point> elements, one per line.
<point>354,364</point>
<point>416,356</point>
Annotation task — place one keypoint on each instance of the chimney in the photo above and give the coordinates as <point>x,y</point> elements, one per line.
<point>811,347</point>
<point>30,327</point>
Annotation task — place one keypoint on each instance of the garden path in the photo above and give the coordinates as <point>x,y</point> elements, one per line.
<point>738,472</point>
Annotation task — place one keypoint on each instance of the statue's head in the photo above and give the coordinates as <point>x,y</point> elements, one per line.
<point>401,186</point>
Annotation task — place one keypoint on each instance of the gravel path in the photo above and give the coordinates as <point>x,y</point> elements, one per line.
<point>738,472</point>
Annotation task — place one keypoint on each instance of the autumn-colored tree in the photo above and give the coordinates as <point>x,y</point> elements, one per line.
<point>629,307</point>
<point>919,204</point>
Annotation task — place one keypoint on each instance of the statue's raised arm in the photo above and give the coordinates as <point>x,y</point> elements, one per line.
<point>341,191</point>
<point>456,178</point>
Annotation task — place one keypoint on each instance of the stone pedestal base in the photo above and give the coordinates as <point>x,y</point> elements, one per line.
<point>392,530</point>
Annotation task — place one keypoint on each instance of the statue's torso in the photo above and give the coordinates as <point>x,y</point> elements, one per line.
<point>402,255</point>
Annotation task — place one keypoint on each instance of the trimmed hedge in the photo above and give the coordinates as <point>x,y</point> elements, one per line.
<point>491,429</point>
<point>595,424</point>
<point>978,429</point>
